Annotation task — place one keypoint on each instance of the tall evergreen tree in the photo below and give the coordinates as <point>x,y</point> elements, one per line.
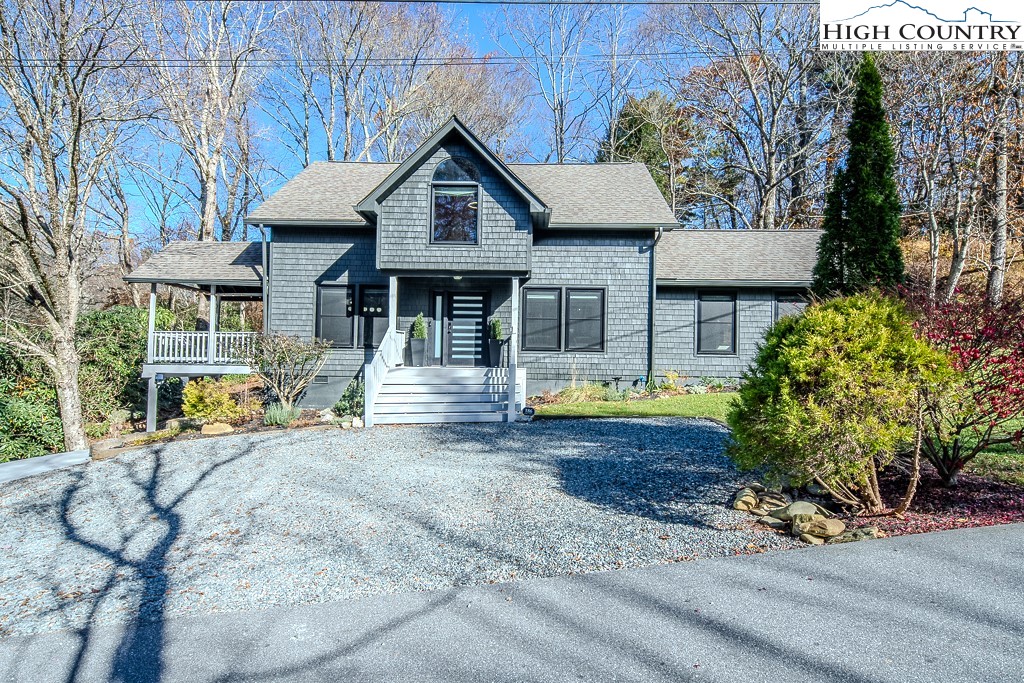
<point>860,247</point>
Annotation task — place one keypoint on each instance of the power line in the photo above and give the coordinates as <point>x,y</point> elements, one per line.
<point>437,60</point>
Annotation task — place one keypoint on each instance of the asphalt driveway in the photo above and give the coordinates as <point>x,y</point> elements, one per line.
<point>931,608</point>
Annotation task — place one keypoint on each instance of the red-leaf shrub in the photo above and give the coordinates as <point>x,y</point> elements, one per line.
<point>986,406</point>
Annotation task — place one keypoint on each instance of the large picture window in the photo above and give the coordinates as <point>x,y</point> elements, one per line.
<point>584,320</point>
<point>716,323</point>
<point>335,314</point>
<point>542,319</point>
<point>455,202</point>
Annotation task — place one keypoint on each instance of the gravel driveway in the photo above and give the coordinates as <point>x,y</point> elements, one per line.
<point>245,522</point>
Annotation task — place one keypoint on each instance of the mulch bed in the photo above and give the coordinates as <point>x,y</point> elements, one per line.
<point>973,502</point>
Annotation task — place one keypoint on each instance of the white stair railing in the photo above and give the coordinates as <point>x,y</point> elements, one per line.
<point>388,355</point>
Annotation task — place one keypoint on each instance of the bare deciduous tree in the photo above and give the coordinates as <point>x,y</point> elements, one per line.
<point>552,42</point>
<point>65,101</point>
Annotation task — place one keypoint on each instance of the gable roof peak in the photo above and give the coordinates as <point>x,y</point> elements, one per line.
<point>369,205</point>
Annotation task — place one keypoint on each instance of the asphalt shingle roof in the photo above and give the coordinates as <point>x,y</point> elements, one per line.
<point>738,255</point>
<point>577,194</point>
<point>203,263</point>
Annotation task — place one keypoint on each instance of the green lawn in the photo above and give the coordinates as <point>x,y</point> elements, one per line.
<point>1003,462</point>
<point>714,406</point>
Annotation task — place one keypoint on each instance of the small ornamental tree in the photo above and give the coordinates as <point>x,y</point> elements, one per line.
<point>860,245</point>
<point>287,364</point>
<point>985,406</point>
<point>832,397</point>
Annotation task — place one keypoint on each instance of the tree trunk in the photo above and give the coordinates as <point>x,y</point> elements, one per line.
<point>997,266</point>
<point>69,399</point>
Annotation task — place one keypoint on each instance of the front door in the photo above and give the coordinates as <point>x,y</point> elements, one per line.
<point>465,329</point>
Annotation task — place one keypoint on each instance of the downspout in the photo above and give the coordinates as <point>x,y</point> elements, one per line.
<point>653,289</point>
<point>266,280</point>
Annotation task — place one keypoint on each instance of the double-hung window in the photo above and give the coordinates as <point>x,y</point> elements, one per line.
<point>335,320</point>
<point>716,323</point>
<point>789,303</point>
<point>584,320</point>
<point>542,319</point>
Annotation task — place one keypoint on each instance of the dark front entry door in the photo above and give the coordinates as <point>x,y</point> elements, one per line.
<point>465,329</point>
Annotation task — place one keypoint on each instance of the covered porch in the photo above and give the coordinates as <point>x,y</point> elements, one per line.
<point>218,272</point>
<point>453,369</point>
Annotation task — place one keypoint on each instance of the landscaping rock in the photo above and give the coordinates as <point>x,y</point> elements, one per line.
<point>860,534</point>
<point>759,512</point>
<point>745,499</point>
<point>800,507</point>
<point>327,415</point>
<point>346,424</point>
<point>756,487</point>
<point>357,422</point>
<point>108,448</point>
<point>181,423</point>
<point>815,490</point>
<point>772,522</point>
<point>217,428</point>
<point>823,528</point>
<point>813,540</point>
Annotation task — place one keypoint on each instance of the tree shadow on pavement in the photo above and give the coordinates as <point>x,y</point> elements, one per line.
<point>141,552</point>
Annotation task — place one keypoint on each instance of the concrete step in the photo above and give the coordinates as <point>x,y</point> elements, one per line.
<point>483,396</point>
<point>429,372</point>
<point>440,389</point>
<point>437,408</point>
<point>431,418</point>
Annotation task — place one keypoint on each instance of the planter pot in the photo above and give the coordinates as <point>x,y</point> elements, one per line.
<point>418,349</point>
<point>495,349</point>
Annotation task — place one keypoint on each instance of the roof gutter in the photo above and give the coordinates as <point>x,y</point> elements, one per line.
<point>794,284</point>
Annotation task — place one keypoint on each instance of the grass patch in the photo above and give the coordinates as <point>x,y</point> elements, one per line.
<point>714,406</point>
<point>1003,462</point>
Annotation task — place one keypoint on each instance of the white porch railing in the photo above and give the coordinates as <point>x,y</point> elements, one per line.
<point>389,355</point>
<point>194,347</point>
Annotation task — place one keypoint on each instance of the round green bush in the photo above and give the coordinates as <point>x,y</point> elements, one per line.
<point>832,395</point>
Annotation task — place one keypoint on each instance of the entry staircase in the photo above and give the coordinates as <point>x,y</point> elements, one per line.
<point>396,394</point>
<point>436,394</point>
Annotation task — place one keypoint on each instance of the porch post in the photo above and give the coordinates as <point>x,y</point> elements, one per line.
<point>513,352</point>
<point>152,323</point>
<point>393,303</point>
<point>151,392</point>
<point>211,351</point>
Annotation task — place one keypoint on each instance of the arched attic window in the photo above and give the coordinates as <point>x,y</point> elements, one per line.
<point>455,202</point>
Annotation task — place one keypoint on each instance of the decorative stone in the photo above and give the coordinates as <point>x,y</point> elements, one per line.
<point>815,490</point>
<point>357,422</point>
<point>108,448</point>
<point>759,512</point>
<point>772,522</point>
<point>181,423</point>
<point>824,528</point>
<point>745,499</point>
<point>346,425</point>
<point>800,507</point>
<point>861,534</point>
<point>217,428</point>
<point>813,540</point>
<point>756,487</point>
<point>327,415</point>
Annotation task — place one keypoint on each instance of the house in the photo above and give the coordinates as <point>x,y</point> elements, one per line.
<point>579,262</point>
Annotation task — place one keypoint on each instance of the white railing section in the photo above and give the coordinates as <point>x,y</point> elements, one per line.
<point>388,355</point>
<point>194,347</point>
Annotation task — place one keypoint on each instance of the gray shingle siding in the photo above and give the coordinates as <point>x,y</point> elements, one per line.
<point>505,229</point>
<point>302,258</point>
<point>675,346</point>
<point>620,263</point>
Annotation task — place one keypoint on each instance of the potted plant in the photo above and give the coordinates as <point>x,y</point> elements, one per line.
<point>495,342</point>
<point>418,343</point>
